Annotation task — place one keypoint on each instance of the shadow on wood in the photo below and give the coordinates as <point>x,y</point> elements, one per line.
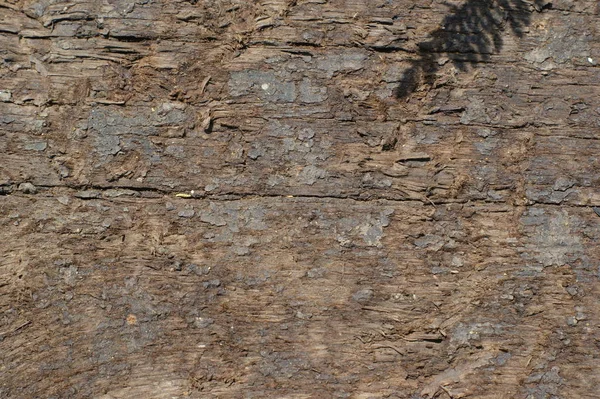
<point>470,34</point>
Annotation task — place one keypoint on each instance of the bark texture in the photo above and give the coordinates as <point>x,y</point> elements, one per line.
<point>299,199</point>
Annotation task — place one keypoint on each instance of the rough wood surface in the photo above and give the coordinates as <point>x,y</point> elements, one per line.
<point>299,199</point>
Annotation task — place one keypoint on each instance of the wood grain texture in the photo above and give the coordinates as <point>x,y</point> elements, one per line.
<point>299,199</point>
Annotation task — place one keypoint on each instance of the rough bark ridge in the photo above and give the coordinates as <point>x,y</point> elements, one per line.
<point>299,199</point>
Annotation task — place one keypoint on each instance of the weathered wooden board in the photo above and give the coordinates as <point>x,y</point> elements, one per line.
<point>265,296</point>
<point>299,198</point>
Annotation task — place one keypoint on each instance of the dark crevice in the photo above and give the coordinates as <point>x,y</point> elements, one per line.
<point>304,44</point>
<point>298,52</point>
<point>389,49</point>
<point>131,38</point>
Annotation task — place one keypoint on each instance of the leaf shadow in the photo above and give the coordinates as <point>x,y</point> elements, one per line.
<point>470,34</point>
